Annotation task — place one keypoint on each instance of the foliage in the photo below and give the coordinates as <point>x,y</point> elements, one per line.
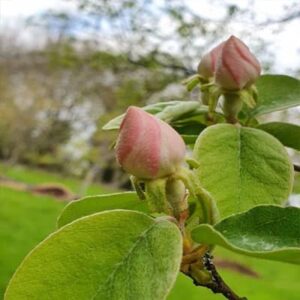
<point>139,259</point>
<point>264,231</point>
<point>235,173</point>
<point>115,247</point>
<point>273,96</point>
<point>16,206</point>
<point>287,134</point>
<point>250,167</point>
<point>93,204</point>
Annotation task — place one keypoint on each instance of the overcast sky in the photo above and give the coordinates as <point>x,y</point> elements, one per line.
<point>287,42</point>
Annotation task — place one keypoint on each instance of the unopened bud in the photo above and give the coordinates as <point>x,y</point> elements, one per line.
<point>236,67</point>
<point>147,147</point>
<point>207,65</point>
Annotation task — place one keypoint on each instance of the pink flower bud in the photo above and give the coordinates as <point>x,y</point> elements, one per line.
<point>207,65</point>
<point>148,147</point>
<point>236,67</point>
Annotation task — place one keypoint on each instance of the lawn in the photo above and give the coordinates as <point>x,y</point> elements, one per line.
<point>25,219</point>
<point>38,176</point>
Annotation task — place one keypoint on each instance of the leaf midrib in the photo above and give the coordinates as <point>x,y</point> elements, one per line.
<point>124,260</point>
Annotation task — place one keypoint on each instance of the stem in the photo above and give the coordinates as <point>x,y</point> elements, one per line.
<point>177,198</point>
<point>136,185</point>
<point>213,98</point>
<point>208,206</point>
<point>216,284</point>
<point>155,191</point>
<point>232,105</point>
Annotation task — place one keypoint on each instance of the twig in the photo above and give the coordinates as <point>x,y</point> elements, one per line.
<point>296,168</point>
<point>217,285</point>
<point>289,17</point>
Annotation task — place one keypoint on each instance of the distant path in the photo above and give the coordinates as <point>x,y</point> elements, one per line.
<point>55,190</point>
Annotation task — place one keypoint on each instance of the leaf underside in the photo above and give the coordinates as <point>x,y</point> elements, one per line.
<point>269,232</point>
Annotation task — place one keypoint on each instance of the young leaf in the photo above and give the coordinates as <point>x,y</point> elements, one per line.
<point>167,111</point>
<point>287,134</point>
<point>269,232</point>
<point>242,167</point>
<point>189,131</point>
<point>178,111</point>
<point>190,127</point>
<point>276,92</point>
<point>94,204</point>
<point>109,256</point>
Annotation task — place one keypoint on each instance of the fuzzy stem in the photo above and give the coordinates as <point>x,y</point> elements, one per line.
<point>232,105</point>
<point>177,197</point>
<point>209,209</point>
<point>155,191</point>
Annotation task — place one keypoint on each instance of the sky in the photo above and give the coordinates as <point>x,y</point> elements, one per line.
<point>12,9</point>
<point>287,42</point>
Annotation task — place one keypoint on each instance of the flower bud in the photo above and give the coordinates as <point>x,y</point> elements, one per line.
<point>236,67</point>
<point>147,147</point>
<point>207,65</point>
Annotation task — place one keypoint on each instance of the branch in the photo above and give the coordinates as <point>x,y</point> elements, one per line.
<point>171,66</point>
<point>290,17</point>
<point>296,168</point>
<point>216,284</point>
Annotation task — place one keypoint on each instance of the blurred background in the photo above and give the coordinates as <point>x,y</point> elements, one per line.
<point>67,67</point>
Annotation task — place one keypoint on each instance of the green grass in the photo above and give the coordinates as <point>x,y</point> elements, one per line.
<point>26,219</point>
<point>38,176</point>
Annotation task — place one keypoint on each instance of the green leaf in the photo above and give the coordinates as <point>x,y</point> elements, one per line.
<point>188,118</point>
<point>276,92</point>
<point>94,204</point>
<point>189,139</point>
<point>269,232</point>
<point>287,134</point>
<point>242,167</point>
<point>111,255</point>
<point>180,110</point>
<point>189,131</point>
<point>191,126</point>
<point>166,111</point>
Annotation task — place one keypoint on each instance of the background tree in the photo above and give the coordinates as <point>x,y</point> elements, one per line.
<point>100,58</point>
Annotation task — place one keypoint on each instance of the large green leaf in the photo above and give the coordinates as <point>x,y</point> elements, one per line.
<point>93,204</point>
<point>276,92</point>
<point>109,256</point>
<point>242,167</point>
<point>269,232</point>
<point>287,134</point>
